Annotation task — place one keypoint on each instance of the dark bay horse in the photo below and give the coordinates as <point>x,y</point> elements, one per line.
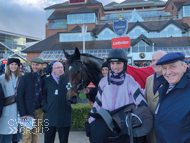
<point>81,70</point>
<point>85,68</point>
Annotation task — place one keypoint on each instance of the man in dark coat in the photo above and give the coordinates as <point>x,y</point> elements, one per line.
<point>29,96</point>
<point>1,100</point>
<point>172,124</point>
<point>56,106</point>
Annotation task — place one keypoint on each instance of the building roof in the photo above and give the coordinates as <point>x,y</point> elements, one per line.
<point>28,38</point>
<point>135,1</point>
<point>81,10</point>
<point>103,27</point>
<point>57,14</point>
<point>62,14</point>
<point>76,29</point>
<point>144,38</point>
<point>111,4</point>
<point>178,5</point>
<point>66,4</point>
<point>187,3</point>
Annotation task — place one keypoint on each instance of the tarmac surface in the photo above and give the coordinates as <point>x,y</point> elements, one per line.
<point>74,137</point>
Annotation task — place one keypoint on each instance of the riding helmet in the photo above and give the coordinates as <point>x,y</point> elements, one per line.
<point>117,55</point>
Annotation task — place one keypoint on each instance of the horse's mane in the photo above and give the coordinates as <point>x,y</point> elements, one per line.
<point>91,56</point>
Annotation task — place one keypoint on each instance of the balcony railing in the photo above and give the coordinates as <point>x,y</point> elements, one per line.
<point>102,22</point>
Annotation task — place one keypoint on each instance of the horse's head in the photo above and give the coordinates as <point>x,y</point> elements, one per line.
<point>77,75</point>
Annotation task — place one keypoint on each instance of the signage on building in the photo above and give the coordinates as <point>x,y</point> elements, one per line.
<point>120,27</point>
<point>142,55</point>
<point>121,42</point>
<point>5,61</point>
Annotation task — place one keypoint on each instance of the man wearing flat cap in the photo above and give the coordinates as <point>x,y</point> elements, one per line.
<point>29,96</point>
<point>172,113</point>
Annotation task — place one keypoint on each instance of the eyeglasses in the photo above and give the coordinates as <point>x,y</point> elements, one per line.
<point>58,68</point>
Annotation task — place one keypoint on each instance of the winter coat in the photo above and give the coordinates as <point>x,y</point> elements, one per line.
<point>26,94</point>
<point>172,124</point>
<point>8,120</point>
<point>1,100</point>
<point>55,105</point>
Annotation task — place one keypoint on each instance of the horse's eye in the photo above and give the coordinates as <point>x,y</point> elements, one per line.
<point>78,71</point>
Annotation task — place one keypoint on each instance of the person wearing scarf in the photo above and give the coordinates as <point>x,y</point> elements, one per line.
<point>151,89</point>
<point>29,97</point>
<point>115,90</point>
<point>8,120</point>
<point>56,106</point>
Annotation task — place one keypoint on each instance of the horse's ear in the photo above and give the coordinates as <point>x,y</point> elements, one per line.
<point>66,54</point>
<point>77,53</point>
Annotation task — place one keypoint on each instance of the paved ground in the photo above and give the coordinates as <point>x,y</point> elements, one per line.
<point>74,137</point>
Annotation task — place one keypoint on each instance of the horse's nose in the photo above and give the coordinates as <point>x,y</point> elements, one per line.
<point>73,100</point>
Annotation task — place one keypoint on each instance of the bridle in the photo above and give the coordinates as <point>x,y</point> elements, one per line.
<point>80,83</point>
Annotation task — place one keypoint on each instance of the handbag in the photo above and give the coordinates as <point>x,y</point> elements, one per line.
<point>11,99</point>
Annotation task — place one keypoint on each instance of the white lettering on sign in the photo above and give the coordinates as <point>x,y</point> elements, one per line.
<point>120,26</point>
<point>120,42</point>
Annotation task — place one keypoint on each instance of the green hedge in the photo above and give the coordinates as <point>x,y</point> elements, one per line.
<point>79,115</point>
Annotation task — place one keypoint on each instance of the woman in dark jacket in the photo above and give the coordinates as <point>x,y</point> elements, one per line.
<point>1,100</point>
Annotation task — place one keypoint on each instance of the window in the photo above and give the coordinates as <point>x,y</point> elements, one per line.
<point>137,33</point>
<point>142,47</point>
<point>135,49</point>
<point>107,35</point>
<point>156,34</point>
<point>74,37</point>
<point>186,10</point>
<point>81,18</point>
<point>150,35</point>
<point>171,32</point>
<point>163,34</point>
<point>58,24</point>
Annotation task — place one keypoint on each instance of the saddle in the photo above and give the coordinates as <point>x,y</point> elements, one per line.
<point>129,119</point>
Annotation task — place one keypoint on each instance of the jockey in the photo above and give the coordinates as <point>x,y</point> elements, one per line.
<point>115,90</point>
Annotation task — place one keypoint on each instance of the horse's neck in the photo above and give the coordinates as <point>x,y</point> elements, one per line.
<point>93,67</point>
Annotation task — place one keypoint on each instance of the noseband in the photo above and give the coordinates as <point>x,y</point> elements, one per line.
<point>81,82</point>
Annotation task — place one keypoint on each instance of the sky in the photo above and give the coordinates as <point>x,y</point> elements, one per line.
<point>28,17</point>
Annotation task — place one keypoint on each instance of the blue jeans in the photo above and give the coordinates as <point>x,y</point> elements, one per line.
<point>6,138</point>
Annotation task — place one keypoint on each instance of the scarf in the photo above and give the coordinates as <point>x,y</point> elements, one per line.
<point>55,77</point>
<point>38,89</point>
<point>117,78</point>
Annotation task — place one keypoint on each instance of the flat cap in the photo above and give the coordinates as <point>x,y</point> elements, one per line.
<point>37,60</point>
<point>171,58</point>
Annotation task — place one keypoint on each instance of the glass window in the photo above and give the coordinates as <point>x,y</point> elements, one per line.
<point>135,48</point>
<point>137,33</point>
<point>186,11</point>
<point>58,24</point>
<point>131,35</point>
<point>150,35</point>
<point>171,32</point>
<point>149,48</point>
<point>107,35</point>
<point>81,18</point>
<point>112,35</point>
<point>141,46</point>
<point>163,33</point>
<point>177,33</point>
<point>145,34</point>
<point>100,37</point>
<point>156,34</point>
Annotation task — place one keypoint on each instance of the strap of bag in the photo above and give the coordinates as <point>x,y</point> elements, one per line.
<point>107,118</point>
